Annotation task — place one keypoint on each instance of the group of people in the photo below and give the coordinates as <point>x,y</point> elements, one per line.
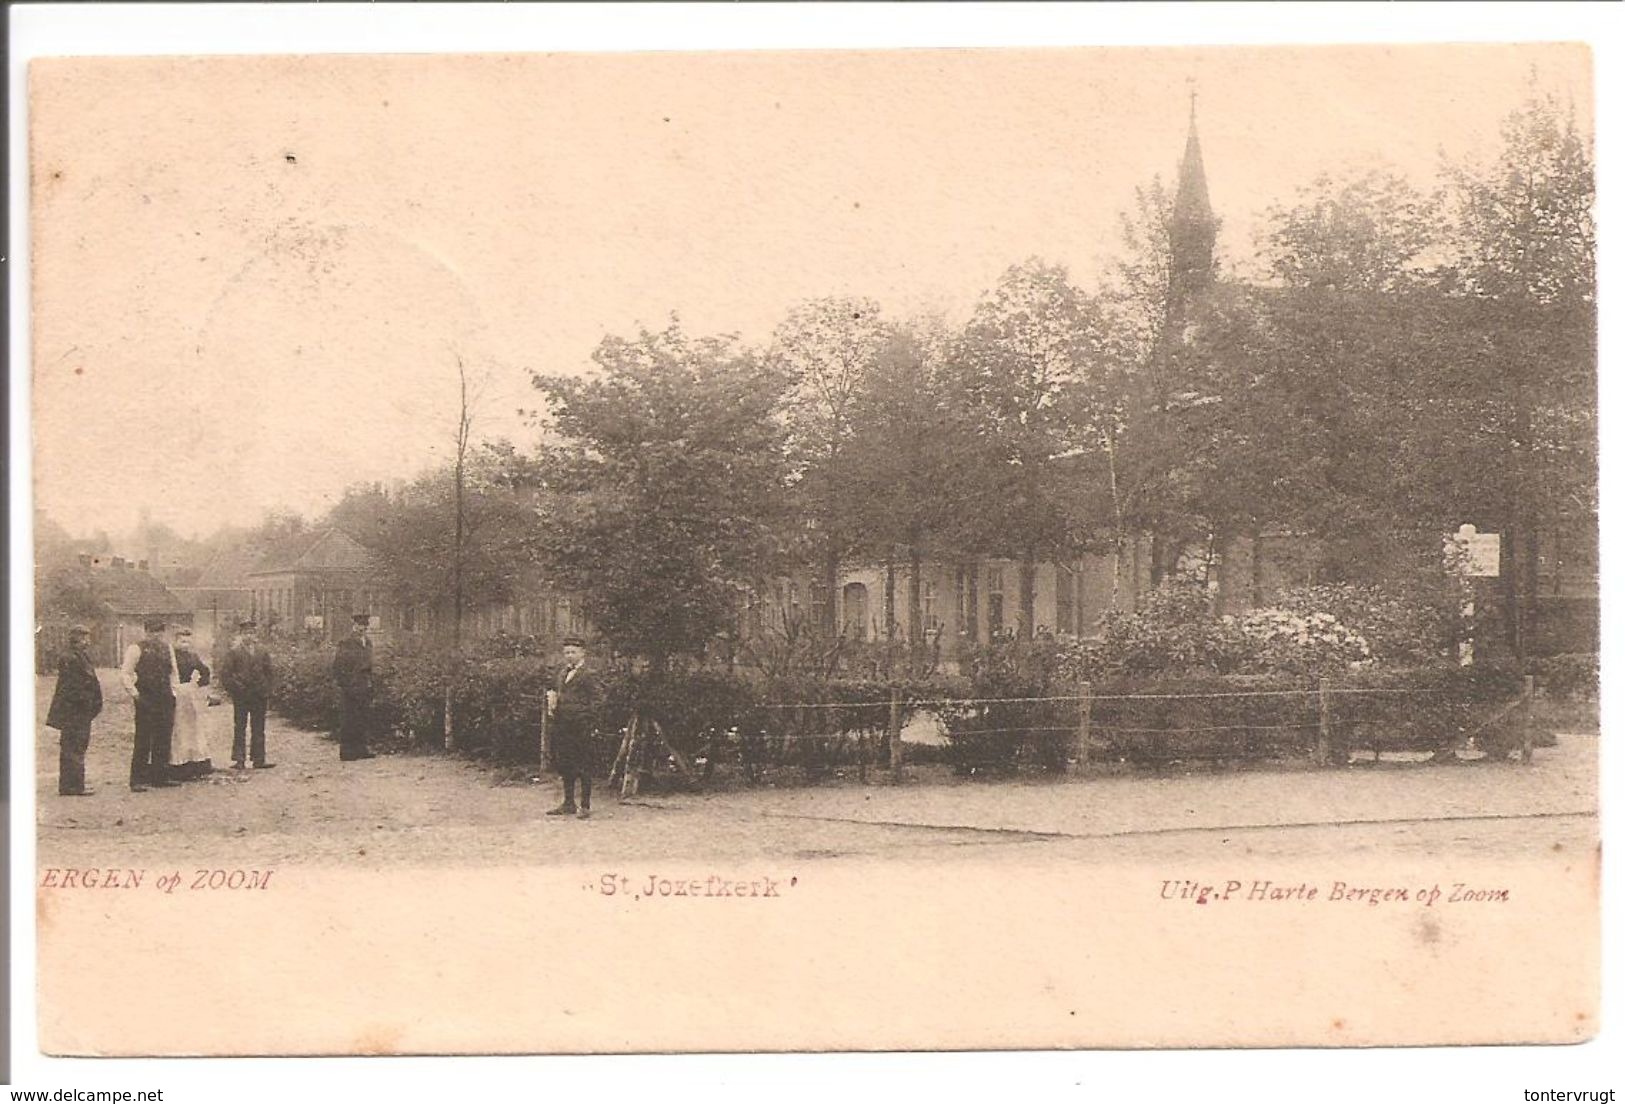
<point>170,686</point>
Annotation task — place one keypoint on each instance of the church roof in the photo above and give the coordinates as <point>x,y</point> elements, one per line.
<point>1191,203</point>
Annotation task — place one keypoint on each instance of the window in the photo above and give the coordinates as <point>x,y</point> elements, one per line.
<point>817,599</point>
<point>928,606</point>
<point>1065,600</point>
<point>995,601</point>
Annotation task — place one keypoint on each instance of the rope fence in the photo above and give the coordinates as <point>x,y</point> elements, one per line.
<point>1065,732</point>
<point>922,702</point>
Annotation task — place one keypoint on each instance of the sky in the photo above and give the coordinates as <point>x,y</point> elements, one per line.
<point>255,279</point>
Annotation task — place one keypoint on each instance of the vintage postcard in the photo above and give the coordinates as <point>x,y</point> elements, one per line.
<point>781,551</point>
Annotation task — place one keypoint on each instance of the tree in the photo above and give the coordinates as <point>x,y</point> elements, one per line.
<point>915,481</point>
<point>415,542</point>
<point>669,487</point>
<point>1371,231</point>
<point>1138,293</point>
<point>362,511</point>
<point>62,587</point>
<point>1021,366</point>
<point>827,349</point>
<point>1528,251</point>
<point>1136,383</point>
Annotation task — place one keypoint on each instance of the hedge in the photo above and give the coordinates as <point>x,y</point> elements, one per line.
<point>1017,707</point>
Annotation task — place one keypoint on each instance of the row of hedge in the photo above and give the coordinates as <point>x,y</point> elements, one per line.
<point>1013,709</point>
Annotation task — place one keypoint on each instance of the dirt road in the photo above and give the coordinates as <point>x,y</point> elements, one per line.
<point>434,810</point>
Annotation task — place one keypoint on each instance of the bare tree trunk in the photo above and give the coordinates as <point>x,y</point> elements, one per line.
<point>832,589</point>
<point>1531,589</point>
<point>464,424</point>
<point>1029,587</point>
<point>891,599</point>
<point>1119,532</point>
<point>973,599</point>
<point>1256,589</point>
<point>916,614</point>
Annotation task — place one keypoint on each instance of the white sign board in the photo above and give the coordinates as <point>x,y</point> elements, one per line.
<point>1473,553</point>
<point>313,621</point>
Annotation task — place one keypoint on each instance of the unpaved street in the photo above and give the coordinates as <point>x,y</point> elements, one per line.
<point>435,810</point>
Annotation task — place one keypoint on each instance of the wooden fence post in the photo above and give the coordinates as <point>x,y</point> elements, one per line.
<point>541,741</point>
<point>1528,720</point>
<point>894,735</point>
<point>1080,758</point>
<point>1323,740</point>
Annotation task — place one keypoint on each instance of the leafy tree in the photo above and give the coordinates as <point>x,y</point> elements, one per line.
<point>827,349</point>
<point>415,540</point>
<point>1021,366</point>
<point>916,483</point>
<point>669,487</point>
<point>1140,286</point>
<point>1372,231</point>
<point>1138,387</point>
<point>363,511</point>
<point>62,589</point>
<point>1528,254</point>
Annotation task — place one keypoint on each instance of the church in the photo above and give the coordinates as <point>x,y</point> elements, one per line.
<point>976,601</point>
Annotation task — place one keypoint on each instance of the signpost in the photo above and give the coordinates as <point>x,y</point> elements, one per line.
<point>1471,555</point>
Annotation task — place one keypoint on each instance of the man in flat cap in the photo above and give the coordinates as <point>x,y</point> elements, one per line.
<point>352,670</point>
<point>248,677</point>
<point>75,703</point>
<point>572,711</point>
<point>150,677</point>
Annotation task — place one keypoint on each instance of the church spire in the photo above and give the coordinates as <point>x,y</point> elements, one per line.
<point>1192,229</point>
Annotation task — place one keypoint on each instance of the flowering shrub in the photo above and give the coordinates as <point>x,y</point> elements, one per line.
<point>1173,632</point>
<point>1401,625</point>
<point>1280,641</point>
<point>1317,630</point>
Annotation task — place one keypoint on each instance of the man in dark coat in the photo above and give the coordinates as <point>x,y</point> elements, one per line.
<point>77,700</point>
<point>247,675</point>
<point>352,670</point>
<point>150,676</point>
<point>572,705</point>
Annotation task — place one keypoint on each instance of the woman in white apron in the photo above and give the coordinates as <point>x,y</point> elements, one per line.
<point>189,748</point>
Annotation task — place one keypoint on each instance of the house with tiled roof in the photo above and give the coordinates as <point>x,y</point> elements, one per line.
<point>313,582</point>
<point>221,594</point>
<point>126,593</point>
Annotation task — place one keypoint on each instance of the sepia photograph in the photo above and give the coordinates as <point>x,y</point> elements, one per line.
<point>931,549</point>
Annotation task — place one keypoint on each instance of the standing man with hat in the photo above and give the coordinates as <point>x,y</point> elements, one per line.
<point>248,677</point>
<point>572,706</point>
<point>150,677</point>
<point>74,704</point>
<point>352,670</point>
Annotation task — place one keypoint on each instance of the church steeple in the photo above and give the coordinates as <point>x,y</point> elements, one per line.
<point>1192,229</point>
